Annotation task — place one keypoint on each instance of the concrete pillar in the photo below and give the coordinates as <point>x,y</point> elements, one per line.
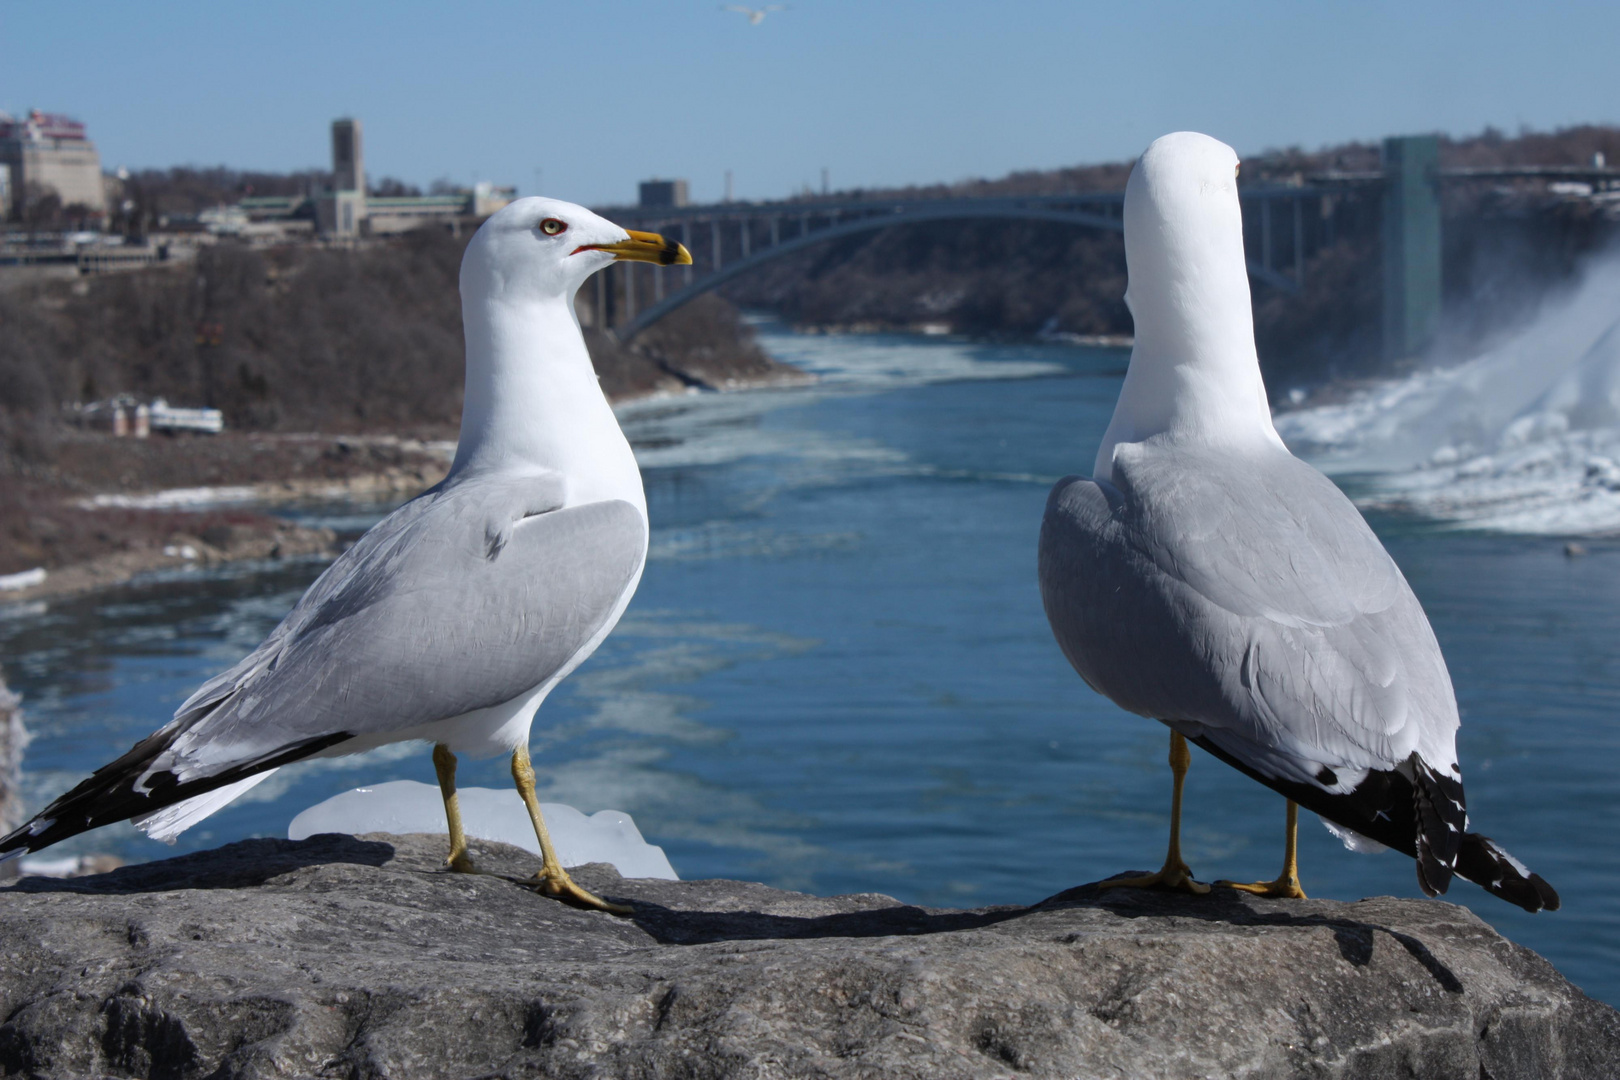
<point>1265,233</point>
<point>686,242</point>
<point>714,235</point>
<point>1411,234</point>
<point>744,235</point>
<point>1299,244</point>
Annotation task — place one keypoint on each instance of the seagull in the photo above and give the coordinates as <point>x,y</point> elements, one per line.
<point>755,15</point>
<point>1205,577</point>
<point>452,618</point>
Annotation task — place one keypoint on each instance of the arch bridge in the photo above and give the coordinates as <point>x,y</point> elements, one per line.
<point>727,240</point>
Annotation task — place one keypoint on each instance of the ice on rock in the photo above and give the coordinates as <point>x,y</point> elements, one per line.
<point>406,806</point>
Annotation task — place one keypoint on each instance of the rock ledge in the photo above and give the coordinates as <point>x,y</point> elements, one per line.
<point>355,957</point>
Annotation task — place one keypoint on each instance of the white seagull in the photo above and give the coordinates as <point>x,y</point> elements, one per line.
<point>755,15</point>
<point>1205,577</point>
<point>452,619</point>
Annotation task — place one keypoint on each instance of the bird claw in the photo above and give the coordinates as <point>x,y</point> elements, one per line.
<point>559,886</point>
<point>1284,888</point>
<point>1175,875</point>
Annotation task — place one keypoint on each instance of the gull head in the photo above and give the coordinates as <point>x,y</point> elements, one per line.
<point>1184,243</point>
<point>540,249</point>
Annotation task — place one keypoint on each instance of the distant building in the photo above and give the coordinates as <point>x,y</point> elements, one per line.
<point>342,211</point>
<point>487,198</point>
<point>347,210</point>
<point>402,213</point>
<point>48,154</point>
<point>663,193</point>
<point>348,156</point>
<point>124,416</point>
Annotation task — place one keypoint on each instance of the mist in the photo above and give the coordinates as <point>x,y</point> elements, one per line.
<point>1523,436</point>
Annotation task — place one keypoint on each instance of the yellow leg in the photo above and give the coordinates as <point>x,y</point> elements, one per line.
<point>444,763</point>
<point>1175,874</point>
<point>1286,886</point>
<point>551,878</point>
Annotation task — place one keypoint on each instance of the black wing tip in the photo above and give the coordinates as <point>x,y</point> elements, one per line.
<point>1487,865</point>
<point>1441,811</point>
<point>1548,895</point>
<point>1434,876</point>
<point>111,793</point>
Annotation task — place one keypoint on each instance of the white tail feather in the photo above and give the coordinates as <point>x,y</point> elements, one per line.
<point>171,821</point>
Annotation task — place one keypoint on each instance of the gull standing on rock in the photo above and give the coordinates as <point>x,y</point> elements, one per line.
<point>452,619</point>
<point>1205,577</point>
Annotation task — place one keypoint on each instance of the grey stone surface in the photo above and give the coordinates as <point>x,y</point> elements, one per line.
<point>347,957</point>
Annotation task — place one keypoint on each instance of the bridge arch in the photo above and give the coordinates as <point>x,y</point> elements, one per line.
<point>903,214</point>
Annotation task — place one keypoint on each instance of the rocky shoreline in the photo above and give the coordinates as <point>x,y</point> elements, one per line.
<point>345,956</point>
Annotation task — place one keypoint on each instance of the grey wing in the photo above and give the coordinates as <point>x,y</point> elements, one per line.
<point>380,538</point>
<point>1250,600</point>
<point>438,615</point>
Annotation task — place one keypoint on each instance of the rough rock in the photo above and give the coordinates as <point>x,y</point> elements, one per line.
<point>13,738</point>
<point>357,957</point>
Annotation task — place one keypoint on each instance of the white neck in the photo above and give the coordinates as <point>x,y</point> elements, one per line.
<point>533,401</point>
<point>1194,376</point>
<point>1186,387</point>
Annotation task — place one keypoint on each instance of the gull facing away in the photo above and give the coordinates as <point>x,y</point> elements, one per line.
<point>755,15</point>
<point>1205,577</point>
<point>452,619</point>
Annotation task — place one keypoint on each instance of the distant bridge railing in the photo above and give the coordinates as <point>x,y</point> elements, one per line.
<point>727,240</point>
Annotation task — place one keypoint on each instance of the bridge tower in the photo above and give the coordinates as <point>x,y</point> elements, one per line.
<point>1411,211</point>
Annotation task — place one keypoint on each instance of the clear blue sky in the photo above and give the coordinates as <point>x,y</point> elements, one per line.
<point>602,94</point>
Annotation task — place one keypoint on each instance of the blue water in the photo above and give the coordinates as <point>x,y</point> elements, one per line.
<point>836,675</point>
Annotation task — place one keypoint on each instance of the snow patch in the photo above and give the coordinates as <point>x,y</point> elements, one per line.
<point>191,498</point>
<point>25,579</point>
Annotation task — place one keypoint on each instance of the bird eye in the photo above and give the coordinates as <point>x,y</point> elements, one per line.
<point>552,227</point>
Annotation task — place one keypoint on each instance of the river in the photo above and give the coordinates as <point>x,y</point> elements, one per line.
<point>837,677</point>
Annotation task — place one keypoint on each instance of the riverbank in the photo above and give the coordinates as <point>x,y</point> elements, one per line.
<point>111,509</point>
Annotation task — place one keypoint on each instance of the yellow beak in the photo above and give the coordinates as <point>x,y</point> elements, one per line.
<point>644,247</point>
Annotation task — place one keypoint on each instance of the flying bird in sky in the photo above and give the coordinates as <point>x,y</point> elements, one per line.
<point>755,15</point>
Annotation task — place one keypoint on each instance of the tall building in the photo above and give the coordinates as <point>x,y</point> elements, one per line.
<point>48,154</point>
<point>342,211</point>
<point>663,193</point>
<point>348,156</point>
<point>347,211</point>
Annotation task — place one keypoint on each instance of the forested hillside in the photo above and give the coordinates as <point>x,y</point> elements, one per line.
<point>302,339</point>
